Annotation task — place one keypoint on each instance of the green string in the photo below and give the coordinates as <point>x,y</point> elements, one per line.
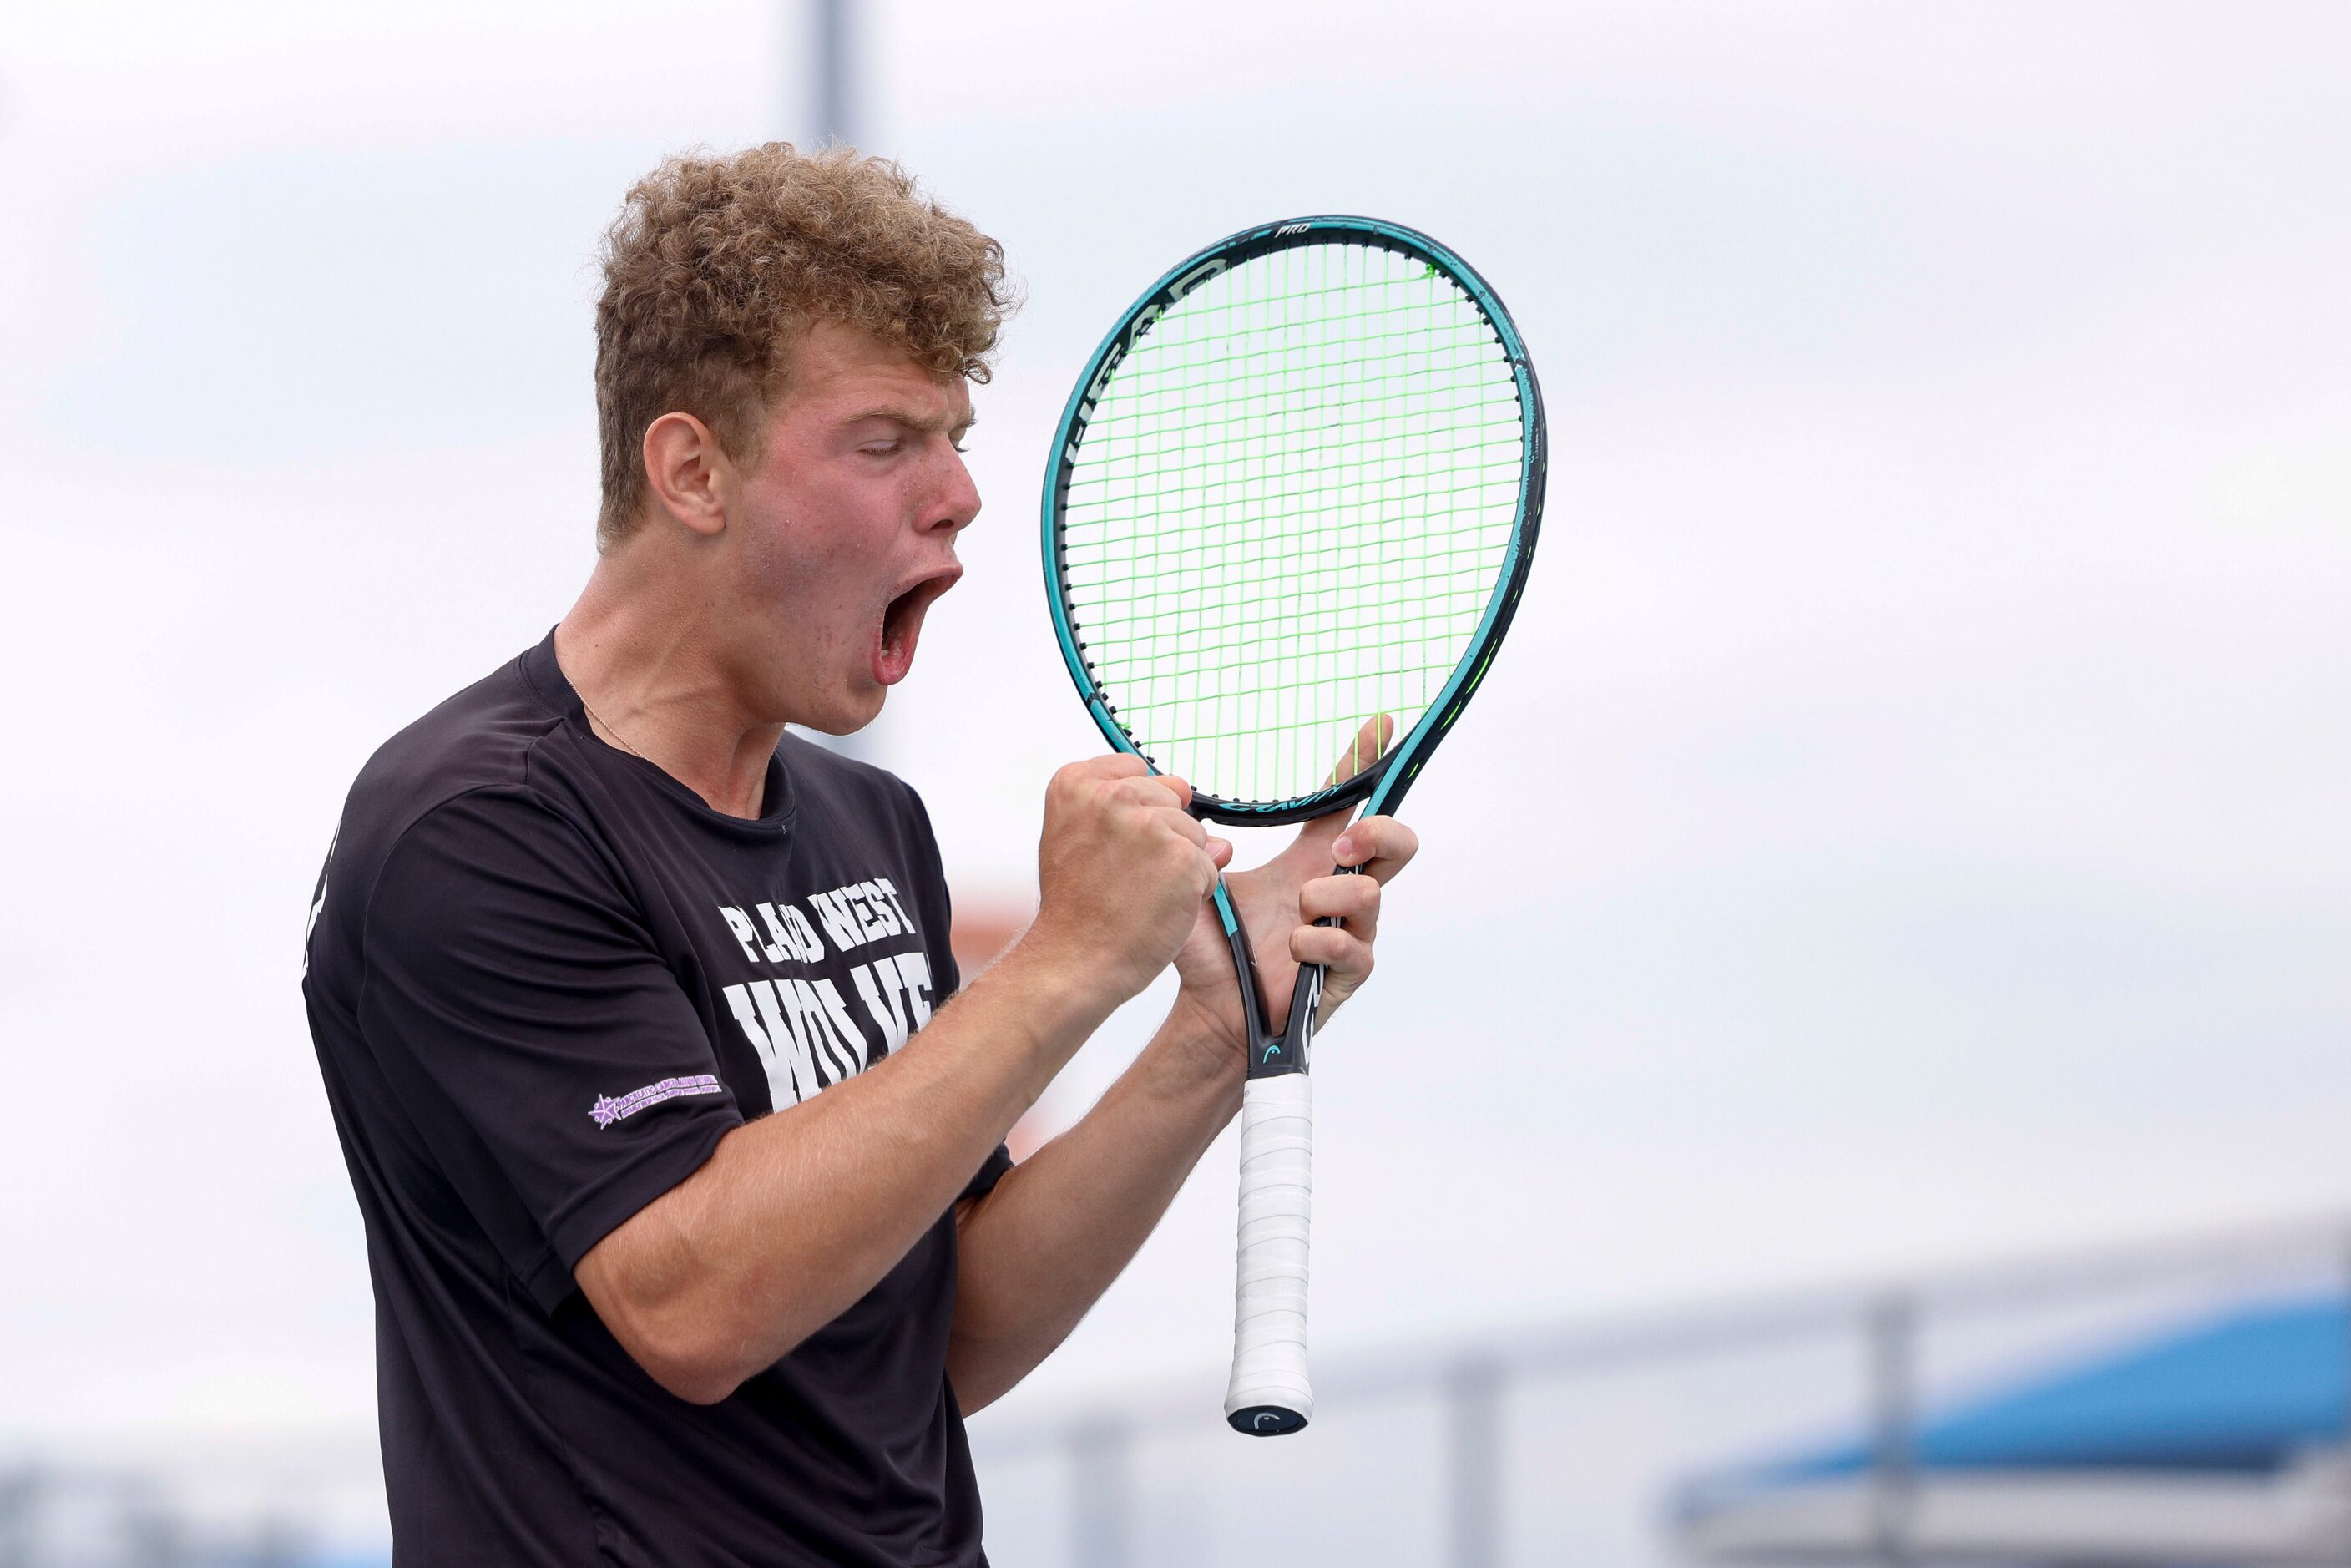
<point>1288,512</point>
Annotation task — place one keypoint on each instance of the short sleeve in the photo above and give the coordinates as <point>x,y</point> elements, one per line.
<point>991,1171</point>
<point>532,1032</point>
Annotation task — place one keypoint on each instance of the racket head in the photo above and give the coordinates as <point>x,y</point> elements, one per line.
<point>1313,350</point>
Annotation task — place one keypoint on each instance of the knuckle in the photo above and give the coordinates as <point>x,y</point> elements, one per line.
<point>1341,953</point>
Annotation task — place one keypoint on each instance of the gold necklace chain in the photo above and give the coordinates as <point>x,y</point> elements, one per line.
<point>598,719</point>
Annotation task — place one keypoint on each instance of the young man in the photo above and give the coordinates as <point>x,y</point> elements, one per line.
<point>692,1230</point>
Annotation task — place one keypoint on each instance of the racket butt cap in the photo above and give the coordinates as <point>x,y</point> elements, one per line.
<point>1266,1420</point>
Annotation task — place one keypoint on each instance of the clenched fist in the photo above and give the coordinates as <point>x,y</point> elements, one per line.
<point>1121,870</point>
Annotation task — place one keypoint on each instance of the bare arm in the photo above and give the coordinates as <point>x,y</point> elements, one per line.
<point>798,1214</point>
<point>1040,1249</point>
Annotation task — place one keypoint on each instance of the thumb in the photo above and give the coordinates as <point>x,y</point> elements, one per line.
<point>1371,744</point>
<point>1316,839</point>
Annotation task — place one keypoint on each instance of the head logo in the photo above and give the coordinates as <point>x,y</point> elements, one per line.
<point>1117,350</point>
<point>1148,317</point>
<point>1291,229</point>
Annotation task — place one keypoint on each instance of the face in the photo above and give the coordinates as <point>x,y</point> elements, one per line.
<point>845,532</point>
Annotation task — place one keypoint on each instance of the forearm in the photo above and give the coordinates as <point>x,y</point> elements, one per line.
<point>1040,1249</point>
<point>798,1214</point>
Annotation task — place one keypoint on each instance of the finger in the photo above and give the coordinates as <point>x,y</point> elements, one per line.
<point>1077,782</point>
<point>1352,899</point>
<point>1371,744</point>
<point>1220,850</point>
<point>1184,825</point>
<point>1155,790</point>
<point>1316,838</point>
<point>1347,956</point>
<point>1380,846</point>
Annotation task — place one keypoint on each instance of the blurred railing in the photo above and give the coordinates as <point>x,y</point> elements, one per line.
<point>151,1497</point>
<point>56,1517</point>
<point>1562,1443</point>
<point>1567,1443</point>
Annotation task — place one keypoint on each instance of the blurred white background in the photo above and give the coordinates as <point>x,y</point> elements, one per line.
<point>1907,823</point>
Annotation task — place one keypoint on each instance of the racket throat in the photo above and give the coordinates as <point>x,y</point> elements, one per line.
<point>1271,1052</point>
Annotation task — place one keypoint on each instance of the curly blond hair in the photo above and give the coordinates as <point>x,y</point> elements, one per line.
<point>717,265</point>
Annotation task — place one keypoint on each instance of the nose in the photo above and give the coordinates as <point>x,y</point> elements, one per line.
<point>957,502</point>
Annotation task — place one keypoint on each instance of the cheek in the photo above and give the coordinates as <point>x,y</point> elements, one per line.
<point>796,544</point>
<point>813,585</point>
<point>825,544</point>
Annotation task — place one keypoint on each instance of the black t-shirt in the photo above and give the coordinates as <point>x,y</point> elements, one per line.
<point>545,979</point>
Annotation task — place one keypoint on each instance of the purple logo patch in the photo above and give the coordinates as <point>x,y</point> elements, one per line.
<point>609,1110</point>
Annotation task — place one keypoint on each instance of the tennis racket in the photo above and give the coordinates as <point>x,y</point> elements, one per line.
<point>1290,510</point>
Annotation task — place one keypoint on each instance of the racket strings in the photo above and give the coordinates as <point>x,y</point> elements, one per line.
<point>1288,514</point>
<point>1350,374</point>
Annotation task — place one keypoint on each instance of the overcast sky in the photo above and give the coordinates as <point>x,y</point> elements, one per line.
<point>1907,824</point>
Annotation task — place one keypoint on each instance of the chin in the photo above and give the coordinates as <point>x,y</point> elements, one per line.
<point>847,719</point>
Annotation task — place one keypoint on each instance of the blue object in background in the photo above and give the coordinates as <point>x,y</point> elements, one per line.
<point>2247,1394</point>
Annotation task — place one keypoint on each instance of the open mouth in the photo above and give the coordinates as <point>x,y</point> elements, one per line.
<point>901,625</point>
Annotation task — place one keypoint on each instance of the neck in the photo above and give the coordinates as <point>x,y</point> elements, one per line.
<point>655,682</point>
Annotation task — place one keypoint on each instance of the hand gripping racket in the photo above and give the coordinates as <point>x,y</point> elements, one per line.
<point>1296,489</point>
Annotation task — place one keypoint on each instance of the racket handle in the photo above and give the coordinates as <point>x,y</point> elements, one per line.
<point>1269,1394</point>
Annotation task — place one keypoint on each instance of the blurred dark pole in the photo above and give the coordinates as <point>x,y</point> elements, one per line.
<point>1893,1336</point>
<point>19,1494</point>
<point>836,98</point>
<point>834,51</point>
<point>1102,1529</point>
<point>1473,1398</point>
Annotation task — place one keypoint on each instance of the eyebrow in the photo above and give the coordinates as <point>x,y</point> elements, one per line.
<point>913,421</point>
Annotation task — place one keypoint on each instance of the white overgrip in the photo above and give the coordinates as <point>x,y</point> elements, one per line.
<point>1270,1293</point>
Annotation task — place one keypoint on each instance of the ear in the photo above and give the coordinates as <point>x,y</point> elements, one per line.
<point>687,472</point>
